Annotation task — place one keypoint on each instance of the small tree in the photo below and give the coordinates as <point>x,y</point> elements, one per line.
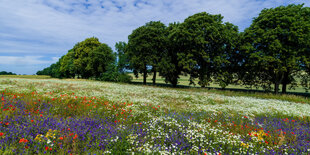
<point>123,62</point>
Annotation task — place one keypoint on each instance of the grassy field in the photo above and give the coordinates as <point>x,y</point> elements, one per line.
<point>71,116</point>
<point>184,81</point>
<point>26,76</point>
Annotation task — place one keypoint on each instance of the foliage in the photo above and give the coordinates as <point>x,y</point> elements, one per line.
<point>88,58</point>
<point>113,75</point>
<point>274,45</point>
<point>82,59</point>
<point>209,44</point>
<point>169,67</point>
<point>6,73</point>
<point>67,67</point>
<point>99,59</point>
<point>145,45</point>
<point>123,62</point>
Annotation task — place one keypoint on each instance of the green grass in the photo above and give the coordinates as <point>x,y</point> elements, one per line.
<point>184,81</point>
<point>297,95</point>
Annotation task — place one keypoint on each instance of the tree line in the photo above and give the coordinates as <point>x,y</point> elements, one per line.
<point>6,73</point>
<point>273,51</point>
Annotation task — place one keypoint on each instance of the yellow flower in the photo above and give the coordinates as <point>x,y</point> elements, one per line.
<point>244,145</point>
<point>38,138</point>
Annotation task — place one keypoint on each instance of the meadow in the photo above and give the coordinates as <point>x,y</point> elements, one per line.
<point>70,116</point>
<point>184,82</point>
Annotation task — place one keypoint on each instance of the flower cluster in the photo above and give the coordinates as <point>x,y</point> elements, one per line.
<point>85,117</point>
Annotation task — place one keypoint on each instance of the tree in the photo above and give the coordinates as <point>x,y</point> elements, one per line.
<point>225,63</point>
<point>274,45</point>
<point>208,42</point>
<point>170,67</point>
<point>82,59</point>
<point>45,71</point>
<point>145,45</point>
<point>67,68</point>
<point>6,73</point>
<point>99,59</point>
<point>123,62</point>
<point>55,70</point>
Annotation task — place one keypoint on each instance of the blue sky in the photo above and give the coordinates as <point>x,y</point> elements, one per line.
<point>35,33</point>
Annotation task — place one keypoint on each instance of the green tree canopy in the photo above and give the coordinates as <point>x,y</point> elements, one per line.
<point>82,59</point>
<point>123,62</point>
<point>274,45</point>
<point>145,45</point>
<point>208,43</point>
<point>99,59</point>
<point>67,67</point>
<point>170,67</point>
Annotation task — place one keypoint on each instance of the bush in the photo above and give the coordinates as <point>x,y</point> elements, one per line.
<point>124,78</point>
<point>115,77</point>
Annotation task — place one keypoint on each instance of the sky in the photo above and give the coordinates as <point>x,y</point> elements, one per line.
<point>36,33</point>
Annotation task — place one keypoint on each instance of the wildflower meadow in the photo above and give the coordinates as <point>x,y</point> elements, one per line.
<point>52,116</point>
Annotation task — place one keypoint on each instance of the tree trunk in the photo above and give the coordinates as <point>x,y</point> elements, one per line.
<point>276,87</point>
<point>202,78</point>
<point>154,77</point>
<point>144,76</point>
<point>174,82</point>
<point>285,82</point>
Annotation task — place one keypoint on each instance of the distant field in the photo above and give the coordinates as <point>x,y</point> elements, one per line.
<point>26,76</point>
<point>184,81</point>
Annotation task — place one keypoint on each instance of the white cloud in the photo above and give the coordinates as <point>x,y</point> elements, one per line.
<point>35,27</point>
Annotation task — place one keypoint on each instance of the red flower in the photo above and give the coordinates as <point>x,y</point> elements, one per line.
<point>1,133</point>
<point>23,140</point>
<point>293,133</point>
<point>46,148</point>
<point>32,121</point>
